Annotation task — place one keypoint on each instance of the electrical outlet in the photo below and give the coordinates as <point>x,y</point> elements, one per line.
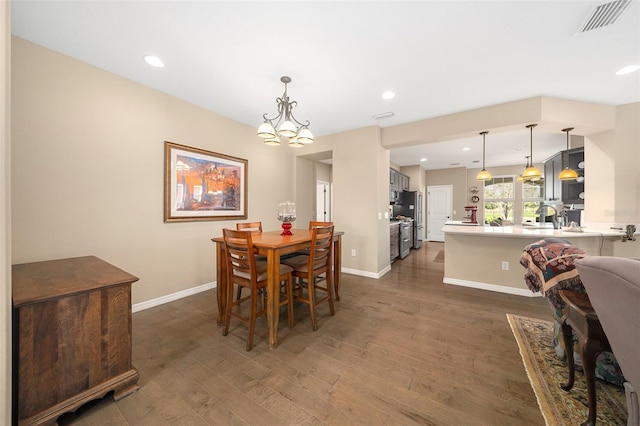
<point>505,265</point>
<point>353,252</point>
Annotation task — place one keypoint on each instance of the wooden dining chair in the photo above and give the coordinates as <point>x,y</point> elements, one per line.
<point>255,228</point>
<point>245,272</point>
<point>308,269</point>
<point>315,224</point>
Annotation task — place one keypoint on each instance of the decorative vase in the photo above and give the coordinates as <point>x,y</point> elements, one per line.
<point>287,214</point>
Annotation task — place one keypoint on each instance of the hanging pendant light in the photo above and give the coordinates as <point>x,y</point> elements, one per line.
<point>568,173</point>
<point>531,172</point>
<point>286,124</point>
<point>483,174</point>
<point>526,165</point>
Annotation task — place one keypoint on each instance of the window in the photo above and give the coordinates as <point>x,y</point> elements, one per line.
<point>532,197</point>
<point>499,199</point>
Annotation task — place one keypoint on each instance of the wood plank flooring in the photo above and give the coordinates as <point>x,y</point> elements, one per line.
<point>402,350</point>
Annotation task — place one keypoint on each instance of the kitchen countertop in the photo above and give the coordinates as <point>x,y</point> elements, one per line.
<point>526,231</point>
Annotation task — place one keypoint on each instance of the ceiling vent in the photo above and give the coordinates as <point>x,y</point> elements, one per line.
<point>383,115</point>
<point>603,15</point>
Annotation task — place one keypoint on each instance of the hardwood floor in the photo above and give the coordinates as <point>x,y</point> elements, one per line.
<point>405,349</point>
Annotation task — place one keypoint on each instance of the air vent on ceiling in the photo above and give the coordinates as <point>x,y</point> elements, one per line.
<point>383,115</point>
<point>603,15</point>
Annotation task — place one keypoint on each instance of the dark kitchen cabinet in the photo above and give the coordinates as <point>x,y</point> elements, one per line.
<point>568,191</point>
<point>394,237</point>
<point>397,183</point>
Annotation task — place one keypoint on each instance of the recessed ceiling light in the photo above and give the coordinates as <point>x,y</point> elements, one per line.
<point>154,61</point>
<point>466,148</point>
<point>628,69</point>
<point>423,159</point>
<point>388,95</point>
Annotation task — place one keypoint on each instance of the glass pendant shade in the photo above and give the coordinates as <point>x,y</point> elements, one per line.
<point>305,136</point>
<point>568,174</point>
<point>295,142</point>
<point>266,131</point>
<point>531,173</point>
<point>288,129</point>
<point>483,175</point>
<point>274,141</point>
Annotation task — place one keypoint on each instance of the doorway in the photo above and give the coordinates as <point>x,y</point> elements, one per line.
<point>323,201</point>
<point>439,207</point>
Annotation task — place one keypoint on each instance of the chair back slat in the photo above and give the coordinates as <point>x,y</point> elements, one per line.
<point>321,245</point>
<point>254,227</point>
<point>241,266</point>
<point>316,224</point>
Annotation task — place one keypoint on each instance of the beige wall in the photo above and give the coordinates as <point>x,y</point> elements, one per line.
<point>612,180</point>
<point>5,212</point>
<point>88,165</point>
<point>360,176</point>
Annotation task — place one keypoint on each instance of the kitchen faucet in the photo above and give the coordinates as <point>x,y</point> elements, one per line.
<point>554,219</point>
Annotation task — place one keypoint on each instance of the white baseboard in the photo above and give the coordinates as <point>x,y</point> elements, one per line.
<point>171,297</point>
<point>491,287</point>
<point>365,273</point>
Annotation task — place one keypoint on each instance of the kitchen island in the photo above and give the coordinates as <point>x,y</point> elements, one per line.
<point>488,257</point>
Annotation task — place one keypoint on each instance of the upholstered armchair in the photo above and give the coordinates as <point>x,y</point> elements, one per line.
<point>613,286</point>
<point>550,265</point>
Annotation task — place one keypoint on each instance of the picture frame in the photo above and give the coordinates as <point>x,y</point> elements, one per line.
<point>201,185</point>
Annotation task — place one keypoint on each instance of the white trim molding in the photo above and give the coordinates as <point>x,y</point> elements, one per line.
<point>171,297</point>
<point>491,287</point>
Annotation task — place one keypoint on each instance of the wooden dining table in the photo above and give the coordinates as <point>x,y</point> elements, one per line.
<point>273,245</point>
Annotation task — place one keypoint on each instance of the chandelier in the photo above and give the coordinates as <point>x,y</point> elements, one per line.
<point>288,126</point>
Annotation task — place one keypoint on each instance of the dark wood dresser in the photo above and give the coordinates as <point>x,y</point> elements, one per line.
<point>71,336</point>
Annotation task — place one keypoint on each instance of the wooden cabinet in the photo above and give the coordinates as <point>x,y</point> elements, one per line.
<point>394,239</point>
<point>567,192</point>
<point>71,336</point>
<point>397,183</point>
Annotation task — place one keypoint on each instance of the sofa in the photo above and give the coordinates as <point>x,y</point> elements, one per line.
<point>613,286</point>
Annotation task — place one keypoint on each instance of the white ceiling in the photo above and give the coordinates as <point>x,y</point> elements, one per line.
<point>440,57</point>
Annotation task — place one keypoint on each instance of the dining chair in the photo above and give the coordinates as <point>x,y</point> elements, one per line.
<point>255,228</point>
<point>245,272</point>
<point>309,268</point>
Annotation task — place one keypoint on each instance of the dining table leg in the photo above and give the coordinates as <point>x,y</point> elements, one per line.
<point>273,296</point>
<point>337,264</point>
<point>221,282</point>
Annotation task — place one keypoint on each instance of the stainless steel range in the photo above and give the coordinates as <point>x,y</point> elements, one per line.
<point>405,238</point>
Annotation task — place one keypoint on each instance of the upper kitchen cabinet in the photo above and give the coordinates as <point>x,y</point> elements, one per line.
<point>567,191</point>
<point>397,183</point>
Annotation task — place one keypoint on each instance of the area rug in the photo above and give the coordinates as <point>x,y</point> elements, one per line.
<point>546,372</point>
<point>439,257</point>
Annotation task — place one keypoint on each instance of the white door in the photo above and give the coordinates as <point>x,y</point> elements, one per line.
<point>439,207</point>
<point>323,202</point>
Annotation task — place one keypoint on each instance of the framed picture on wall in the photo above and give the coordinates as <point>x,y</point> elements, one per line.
<point>203,185</point>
